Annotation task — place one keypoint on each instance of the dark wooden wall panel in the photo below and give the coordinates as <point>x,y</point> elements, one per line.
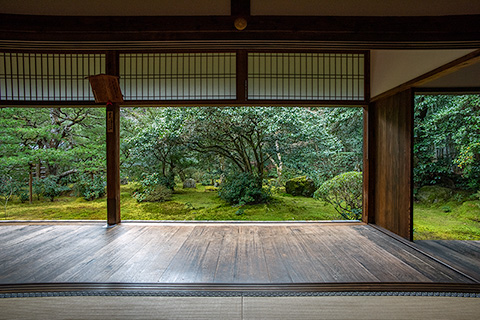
<point>391,149</point>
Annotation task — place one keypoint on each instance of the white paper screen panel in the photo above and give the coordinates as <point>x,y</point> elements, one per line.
<point>178,76</point>
<point>48,76</point>
<point>306,76</point>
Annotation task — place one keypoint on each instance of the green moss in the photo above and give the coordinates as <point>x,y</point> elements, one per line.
<point>462,222</point>
<point>300,186</point>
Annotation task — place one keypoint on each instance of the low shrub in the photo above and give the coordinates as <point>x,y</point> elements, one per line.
<point>243,188</point>
<point>90,188</point>
<point>154,188</point>
<point>344,192</point>
<point>159,194</point>
<point>51,188</point>
<point>300,186</point>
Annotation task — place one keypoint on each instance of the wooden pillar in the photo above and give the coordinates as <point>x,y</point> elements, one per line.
<point>392,185</point>
<point>113,164</point>
<point>113,147</point>
<point>368,210</point>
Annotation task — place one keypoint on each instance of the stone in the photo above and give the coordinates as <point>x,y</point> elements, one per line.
<point>189,183</point>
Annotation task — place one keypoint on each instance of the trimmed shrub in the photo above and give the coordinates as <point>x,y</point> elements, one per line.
<point>159,194</point>
<point>242,189</point>
<point>344,192</point>
<point>300,186</point>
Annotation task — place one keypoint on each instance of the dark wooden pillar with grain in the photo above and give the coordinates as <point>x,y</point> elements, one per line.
<point>389,163</point>
<point>113,149</point>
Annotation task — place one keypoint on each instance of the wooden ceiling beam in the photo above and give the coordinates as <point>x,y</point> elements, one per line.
<point>260,28</point>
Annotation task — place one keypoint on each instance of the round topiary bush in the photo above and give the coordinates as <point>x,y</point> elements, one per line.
<point>300,186</point>
<point>344,192</point>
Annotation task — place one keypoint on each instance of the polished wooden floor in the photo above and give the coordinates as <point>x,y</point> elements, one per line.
<point>462,255</point>
<point>212,253</point>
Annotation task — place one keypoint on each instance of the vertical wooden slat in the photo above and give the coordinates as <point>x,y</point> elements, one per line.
<point>242,71</point>
<point>113,148</point>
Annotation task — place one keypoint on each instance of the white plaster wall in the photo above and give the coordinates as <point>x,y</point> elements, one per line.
<point>391,68</point>
<point>365,7</point>
<point>465,77</point>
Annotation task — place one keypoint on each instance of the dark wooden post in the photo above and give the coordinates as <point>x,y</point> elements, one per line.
<point>113,164</point>
<point>368,166</point>
<point>113,147</point>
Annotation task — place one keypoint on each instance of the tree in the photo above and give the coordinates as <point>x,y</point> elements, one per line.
<point>447,133</point>
<point>64,140</point>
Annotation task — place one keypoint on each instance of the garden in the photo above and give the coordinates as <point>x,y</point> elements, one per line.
<point>249,163</point>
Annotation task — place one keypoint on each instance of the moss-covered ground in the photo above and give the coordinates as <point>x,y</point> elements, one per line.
<point>445,220</point>
<point>450,220</point>
<point>186,204</point>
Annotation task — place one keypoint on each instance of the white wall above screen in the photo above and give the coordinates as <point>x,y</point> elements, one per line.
<point>463,78</point>
<point>391,68</point>
<point>364,7</point>
<point>117,7</point>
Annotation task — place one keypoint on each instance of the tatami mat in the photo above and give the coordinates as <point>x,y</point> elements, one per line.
<point>327,307</point>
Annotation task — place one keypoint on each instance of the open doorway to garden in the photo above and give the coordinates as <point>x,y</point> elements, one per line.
<point>185,163</point>
<point>447,167</point>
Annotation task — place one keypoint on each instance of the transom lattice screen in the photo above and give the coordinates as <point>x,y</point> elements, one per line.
<point>57,78</point>
<point>178,76</point>
<point>48,76</point>
<point>306,76</point>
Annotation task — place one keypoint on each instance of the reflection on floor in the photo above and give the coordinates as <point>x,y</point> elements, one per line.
<point>255,253</point>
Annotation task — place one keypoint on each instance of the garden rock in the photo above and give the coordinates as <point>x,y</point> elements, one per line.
<point>434,194</point>
<point>300,186</point>
<point>189,183</point>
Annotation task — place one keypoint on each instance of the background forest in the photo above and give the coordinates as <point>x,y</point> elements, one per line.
<point>252,163</point>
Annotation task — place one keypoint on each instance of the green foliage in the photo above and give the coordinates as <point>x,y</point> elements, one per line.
<point>300,186</point>
<point>240,212</point>
<point>154,188</point>
<point>90,188</point>
<point>158,194</point>
<point>344,192</point>
<point>433,194</point>
<point>243,188</point>
<point>51,188</point>
<point>446,209</point>
<point>447,141</point>
<point>8,187</point>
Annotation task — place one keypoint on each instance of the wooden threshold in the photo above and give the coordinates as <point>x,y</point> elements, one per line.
<point>266,288</point>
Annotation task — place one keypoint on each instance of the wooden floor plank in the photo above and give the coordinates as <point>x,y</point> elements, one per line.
<point>250,265</point>
<point>225,270</point>
<point>152,258</point>
<point>427,267</point>
<point>278,270</point>
<point>463,255</point>
<point>218,253</point>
